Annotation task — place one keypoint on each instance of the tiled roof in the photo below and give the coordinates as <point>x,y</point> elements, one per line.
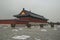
<point>29,13</point>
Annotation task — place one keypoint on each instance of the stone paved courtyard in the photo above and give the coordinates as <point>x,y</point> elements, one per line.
<point>35,33</point>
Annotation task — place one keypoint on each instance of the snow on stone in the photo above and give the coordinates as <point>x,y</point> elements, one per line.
<point>25,36</point>
<point>43,30</point>
<point>37,39</point>
<point>32,27</point>
<point>0,26</point>
<point>21,37</point>
<point>55,29</point>
<point>5,27</point>
<point>14,30</point>
<point>20,28</point>
<point>58,26</point>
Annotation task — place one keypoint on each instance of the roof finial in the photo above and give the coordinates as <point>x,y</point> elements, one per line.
<point>23,8</point>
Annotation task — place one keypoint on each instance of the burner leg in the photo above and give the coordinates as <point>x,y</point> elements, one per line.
<point>52,25</point>
<point>41,25</point>
<point>28,25</point>
<point>13,25</point>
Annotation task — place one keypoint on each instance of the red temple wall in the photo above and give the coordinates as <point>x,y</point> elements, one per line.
<point>11,22</point>
<point>6,22</point>
<point>33,20</point>
<point>22,21</point>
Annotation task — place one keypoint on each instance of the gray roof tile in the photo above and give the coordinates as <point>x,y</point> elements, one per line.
<point>29,13</point>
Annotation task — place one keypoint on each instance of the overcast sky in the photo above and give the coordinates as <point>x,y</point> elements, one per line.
<point>48,8</point>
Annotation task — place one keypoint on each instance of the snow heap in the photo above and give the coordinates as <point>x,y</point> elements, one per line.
<point>43,30</point>
<point>14,30</point>
<point>21,37</point>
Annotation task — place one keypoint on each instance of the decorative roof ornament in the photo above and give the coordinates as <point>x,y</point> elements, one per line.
<point>23,8</point>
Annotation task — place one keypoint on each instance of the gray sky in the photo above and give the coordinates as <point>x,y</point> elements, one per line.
<point>48,8</point>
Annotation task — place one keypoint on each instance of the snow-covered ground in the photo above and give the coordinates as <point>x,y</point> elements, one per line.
<point>24,33</point>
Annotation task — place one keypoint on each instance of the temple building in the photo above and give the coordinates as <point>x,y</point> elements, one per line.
<point>26,17</point>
